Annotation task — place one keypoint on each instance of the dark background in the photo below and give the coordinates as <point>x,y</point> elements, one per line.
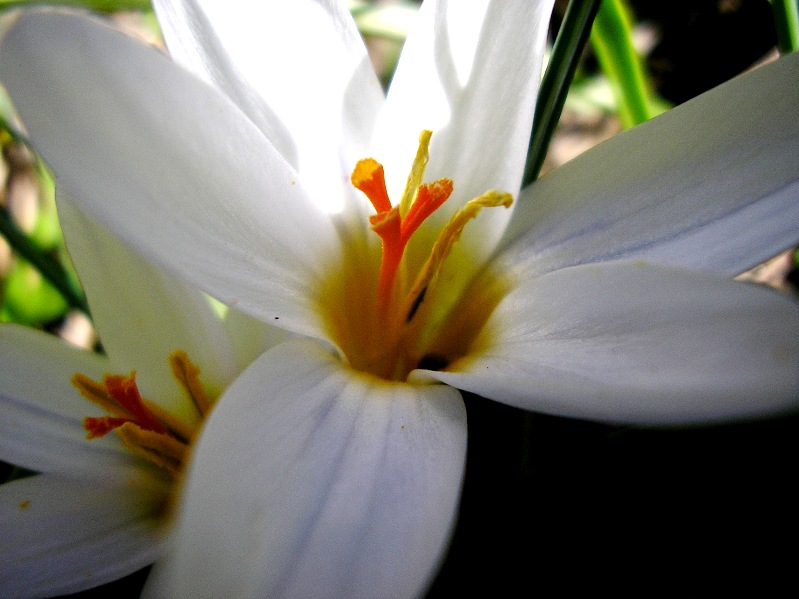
<point>552,505</point>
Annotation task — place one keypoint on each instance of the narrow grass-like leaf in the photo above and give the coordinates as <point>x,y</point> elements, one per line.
<point>786,20</point>
<point>50,268</point>
<point>612,42</point>
<point>566,52</point>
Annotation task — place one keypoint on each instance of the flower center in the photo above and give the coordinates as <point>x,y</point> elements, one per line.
<point>145,428</point>
<point>386,321</point>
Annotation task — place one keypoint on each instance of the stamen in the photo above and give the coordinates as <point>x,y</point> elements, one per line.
<point>417,172</point>
<point>399,344</point>
<point>188,375</point>
<point>96,393</point>
<point>446,241</point>
<point>161,450</point>
<point>145,427</point>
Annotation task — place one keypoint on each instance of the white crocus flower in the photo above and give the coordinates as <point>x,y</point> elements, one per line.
<point>101,507</point>
<point>332,466</point>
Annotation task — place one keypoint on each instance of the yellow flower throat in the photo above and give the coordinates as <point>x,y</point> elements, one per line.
<point>386,322</point>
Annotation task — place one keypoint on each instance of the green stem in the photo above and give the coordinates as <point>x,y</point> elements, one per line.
<point>50,268</point>
<point>620,62</point>
<point>786,20</point>
<point>566,52</point>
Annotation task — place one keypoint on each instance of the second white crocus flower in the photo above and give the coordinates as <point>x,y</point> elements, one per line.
<point>100,508</point>
<point>332,466</point>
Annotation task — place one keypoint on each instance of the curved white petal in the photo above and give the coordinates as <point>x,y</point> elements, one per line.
<point>631,342</point>
<point>169,164</point>
<point>62,536</point>
<point>311,480</point>
<point>143,314</point>
<point>41,413</point>
<point>298,69</point>
<point>469,72</point>
<point>712,184</point>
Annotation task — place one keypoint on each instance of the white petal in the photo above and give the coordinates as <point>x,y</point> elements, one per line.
<point>41,413</point>
<point>143,314</point>
<point>298,69</point>
<point>311,480</point>
<point>711,184</point>
<point>62,536</point>
<point>470,73</point>
<point>631,342</point>
<point>168,164</point>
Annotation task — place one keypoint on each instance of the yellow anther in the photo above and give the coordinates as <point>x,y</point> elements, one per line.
<point>447,239</point>
<point>162,450</point>
<point>188,375</point>
<point>96,393</point>
<point>417,172</point>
